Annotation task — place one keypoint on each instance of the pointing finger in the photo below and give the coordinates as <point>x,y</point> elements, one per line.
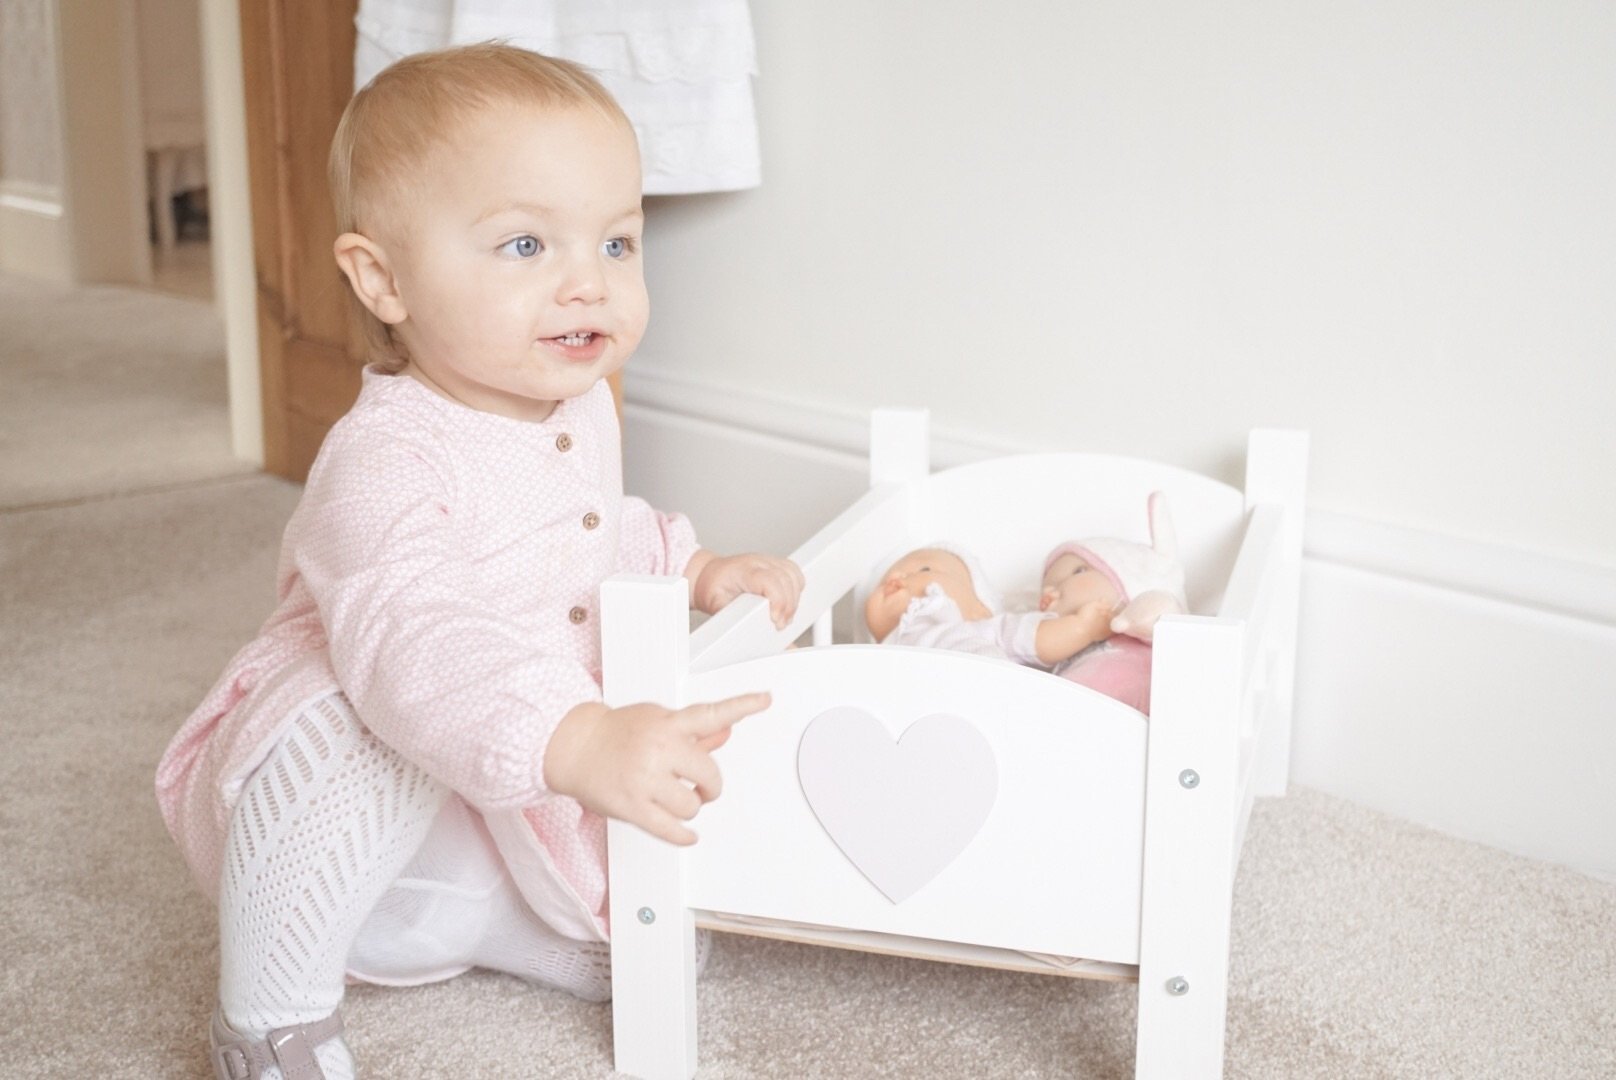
<point>708,743</point>
<point>702,771</point>
<point>711,717</point>
<point>659,823</point>
<point>678,799</point>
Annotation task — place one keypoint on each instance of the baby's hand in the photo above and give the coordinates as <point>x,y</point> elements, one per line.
<point>644,764</point>
<point>1064,636</point>
<point>1095,617</point>
<point>724,578</point>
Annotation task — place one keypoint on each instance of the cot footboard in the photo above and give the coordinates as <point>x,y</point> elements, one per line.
<point>916,801</point>
<point>953,807</point>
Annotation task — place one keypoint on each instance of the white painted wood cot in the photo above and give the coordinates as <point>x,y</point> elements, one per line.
<point>1103,846</point>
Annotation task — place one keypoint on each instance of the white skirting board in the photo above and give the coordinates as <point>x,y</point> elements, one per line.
<point>1461,686</point>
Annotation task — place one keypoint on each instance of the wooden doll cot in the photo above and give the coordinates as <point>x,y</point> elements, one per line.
<point>1099,844</point>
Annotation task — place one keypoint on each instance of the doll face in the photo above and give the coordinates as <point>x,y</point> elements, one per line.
<point>909,577</point>
<point>1070,583</point>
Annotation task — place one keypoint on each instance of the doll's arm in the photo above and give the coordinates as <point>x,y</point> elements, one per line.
<point>1138,619</point>
<point>1065,636</point>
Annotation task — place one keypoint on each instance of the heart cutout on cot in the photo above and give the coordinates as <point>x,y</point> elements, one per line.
<point>900,811</point>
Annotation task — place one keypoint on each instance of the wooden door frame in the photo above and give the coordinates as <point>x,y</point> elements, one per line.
<point>257,272</point>
<point>256,88</point>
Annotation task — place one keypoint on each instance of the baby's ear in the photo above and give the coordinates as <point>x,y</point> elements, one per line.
<point>364,263</point>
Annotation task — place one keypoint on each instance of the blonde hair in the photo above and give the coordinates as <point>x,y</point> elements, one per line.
<point>403,114</point>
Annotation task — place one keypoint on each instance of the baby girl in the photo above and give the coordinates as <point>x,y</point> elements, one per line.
<point>406,774</point>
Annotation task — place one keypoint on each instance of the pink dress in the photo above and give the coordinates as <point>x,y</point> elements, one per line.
<point>442,570</point>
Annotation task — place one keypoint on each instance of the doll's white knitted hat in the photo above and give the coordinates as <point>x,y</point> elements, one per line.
<point>1132,567</point>
<point>983,588</point>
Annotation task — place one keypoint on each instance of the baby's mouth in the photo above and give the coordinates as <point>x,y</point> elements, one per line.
<point>578,345</point>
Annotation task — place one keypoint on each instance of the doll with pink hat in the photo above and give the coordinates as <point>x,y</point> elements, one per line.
<point>1139,582</point>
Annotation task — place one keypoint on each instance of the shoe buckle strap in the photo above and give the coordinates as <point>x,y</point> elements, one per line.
<point>289,1048</point>
<point>293,1047</point>
<point>237,1061</point>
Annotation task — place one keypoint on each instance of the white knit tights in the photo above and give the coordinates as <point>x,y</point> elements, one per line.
<point>456,907</point>
<point>322,829</point>
<point>343,856</point>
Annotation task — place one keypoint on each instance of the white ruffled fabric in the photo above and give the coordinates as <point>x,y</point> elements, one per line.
<point>934,621</point>
<point>681,69</point>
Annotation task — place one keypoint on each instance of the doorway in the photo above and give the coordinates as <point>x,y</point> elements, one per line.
<point>168,44</point>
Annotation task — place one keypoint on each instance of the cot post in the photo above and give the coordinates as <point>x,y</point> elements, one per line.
<point>1276,472</point>
<point>900,456</point>
<point>1192,802</point>
<point>645,656</point>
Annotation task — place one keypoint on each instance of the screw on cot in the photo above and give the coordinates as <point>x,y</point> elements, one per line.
<point>1189,778</point>
<point>647,916</point>
<point>1178,986</point>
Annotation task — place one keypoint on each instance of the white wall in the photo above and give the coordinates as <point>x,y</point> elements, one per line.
<point>104,157</point>
<point>72,179</point>
<point>30,150</point>
<point>1145,230</point>
<point>33,239</point>
<point>1148,228</point>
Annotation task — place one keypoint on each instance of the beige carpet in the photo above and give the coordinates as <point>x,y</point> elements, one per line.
<point>1363,947</point>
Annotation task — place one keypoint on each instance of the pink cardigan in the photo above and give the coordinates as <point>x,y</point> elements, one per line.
<point>442,569</point>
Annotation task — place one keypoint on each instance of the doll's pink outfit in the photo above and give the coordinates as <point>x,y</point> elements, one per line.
<point>442,571</point>
<point>1117,667</point>
<point>934,621</point>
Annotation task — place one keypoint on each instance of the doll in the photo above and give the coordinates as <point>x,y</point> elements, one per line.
<point>937,596</point>
<point>1140,582</point>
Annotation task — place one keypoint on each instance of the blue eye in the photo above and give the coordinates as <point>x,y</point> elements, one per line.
<point>523,247</point>
<point>618,246</point>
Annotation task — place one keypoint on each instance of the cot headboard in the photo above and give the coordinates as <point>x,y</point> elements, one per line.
<point>1008,511</point>
<point>1011,511</point>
